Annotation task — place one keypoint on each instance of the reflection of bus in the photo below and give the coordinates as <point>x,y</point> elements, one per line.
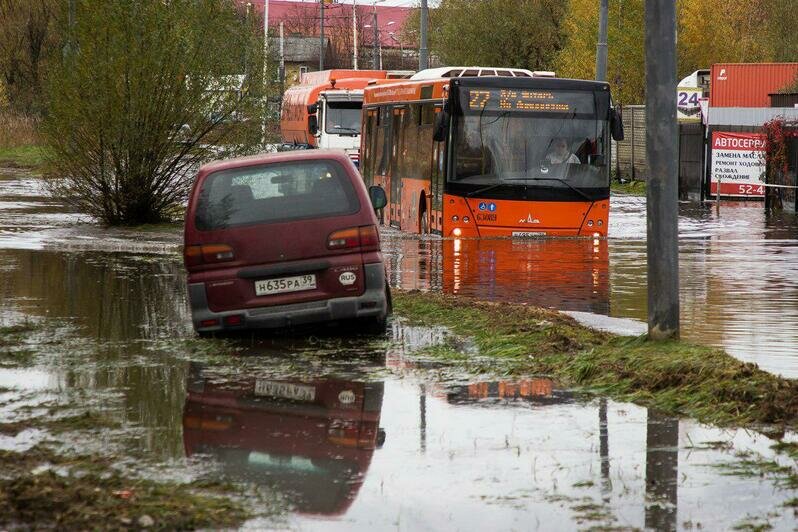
<point>323,111</point>
<point>312,441</point>
<point>490,156</point>
<point>564,274</point>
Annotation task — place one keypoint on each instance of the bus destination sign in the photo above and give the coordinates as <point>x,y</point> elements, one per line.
<point>529,101</point>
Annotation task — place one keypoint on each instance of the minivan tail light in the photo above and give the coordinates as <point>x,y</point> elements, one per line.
<point>208,254</point>
<point>365,236</point>
<point>344,239</point>
<point>369,237</point>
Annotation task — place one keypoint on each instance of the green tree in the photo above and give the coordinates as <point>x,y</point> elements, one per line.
<point>510,33</point>
<point>148,89</point>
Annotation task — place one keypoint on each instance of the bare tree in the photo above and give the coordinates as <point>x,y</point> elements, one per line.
<point>28,41</point>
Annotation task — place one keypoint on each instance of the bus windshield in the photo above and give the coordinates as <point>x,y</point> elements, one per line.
<point>561,150</point>
<point>343,118</point>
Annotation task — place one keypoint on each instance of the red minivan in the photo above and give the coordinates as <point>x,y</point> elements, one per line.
<point>284,239</point>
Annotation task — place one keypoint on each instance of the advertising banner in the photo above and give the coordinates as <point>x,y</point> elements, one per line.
<point>738,162</point>
<point>688,106</point>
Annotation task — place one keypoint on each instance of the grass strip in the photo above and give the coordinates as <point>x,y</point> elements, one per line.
<point>40,489</point>
<point>631,188</point>
<point>31,156</point>
<point>674,377</point>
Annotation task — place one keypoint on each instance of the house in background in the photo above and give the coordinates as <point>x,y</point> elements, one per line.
<point>385,41</point>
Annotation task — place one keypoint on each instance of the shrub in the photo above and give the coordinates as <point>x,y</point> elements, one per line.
<point>143,90</point>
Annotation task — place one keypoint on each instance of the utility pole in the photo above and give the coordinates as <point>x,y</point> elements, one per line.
<point>282,59</point>
<point>265,70</point>
<point>375,53</point>
<point>423,53</point>
<point>601,46</point>
<point>321,36</point>
<point>662,187</point>
<point>354,35</point>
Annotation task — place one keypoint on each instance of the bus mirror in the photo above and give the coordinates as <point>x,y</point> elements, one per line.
<point>313,125</point>
<point>616,125</point>
<point>313,108</point>
<point>378,199</point>
<point>441,126</point>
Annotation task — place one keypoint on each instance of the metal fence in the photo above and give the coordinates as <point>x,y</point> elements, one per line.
<point>629,156</point>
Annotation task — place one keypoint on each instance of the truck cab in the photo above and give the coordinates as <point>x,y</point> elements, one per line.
<point>338,120</point>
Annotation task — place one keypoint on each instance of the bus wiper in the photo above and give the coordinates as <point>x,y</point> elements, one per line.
<point>563,181</point>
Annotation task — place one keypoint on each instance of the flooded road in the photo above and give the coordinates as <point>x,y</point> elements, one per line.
<point>356,432</point>
<point>738,275</point>
<point>342,431</point>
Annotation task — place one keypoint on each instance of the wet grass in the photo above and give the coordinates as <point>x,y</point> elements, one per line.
<point>674,377</point>
<point>41,489</point>
<point>30,156</point>
<point>631,188</point>
<point>14,350</point>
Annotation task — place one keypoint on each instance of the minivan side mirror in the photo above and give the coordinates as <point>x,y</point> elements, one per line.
<point>616,125</point>
<point>378,198</point>
<point>313,125</point>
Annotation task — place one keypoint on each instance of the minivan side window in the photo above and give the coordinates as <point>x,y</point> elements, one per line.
<point>272,193</point>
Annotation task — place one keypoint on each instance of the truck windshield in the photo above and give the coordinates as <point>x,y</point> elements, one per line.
<point>343,118</point>
<point>503,148</point>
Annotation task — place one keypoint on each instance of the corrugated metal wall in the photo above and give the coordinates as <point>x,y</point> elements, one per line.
<point>749,84</point>
<point>630,153</point>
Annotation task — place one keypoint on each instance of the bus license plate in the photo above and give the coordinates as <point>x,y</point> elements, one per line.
<point>285,390</point>
<point>528,234</point>
<point>285,284</point>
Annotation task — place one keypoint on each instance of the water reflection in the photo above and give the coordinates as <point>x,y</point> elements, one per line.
<point>312,440</point>
<point>662,471</point>
<point>568,274</point>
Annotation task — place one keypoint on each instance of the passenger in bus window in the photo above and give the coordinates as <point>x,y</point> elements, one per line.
<point>560,153</point>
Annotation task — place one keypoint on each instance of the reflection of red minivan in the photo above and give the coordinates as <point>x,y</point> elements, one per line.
<point>283,239</point>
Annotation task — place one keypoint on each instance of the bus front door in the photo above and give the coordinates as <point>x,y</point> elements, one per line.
<point>396,178</point>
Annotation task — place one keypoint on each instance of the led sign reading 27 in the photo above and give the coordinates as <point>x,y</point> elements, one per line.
<point>516,100</point>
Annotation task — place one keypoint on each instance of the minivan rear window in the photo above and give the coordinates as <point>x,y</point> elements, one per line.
<point>278,192</point>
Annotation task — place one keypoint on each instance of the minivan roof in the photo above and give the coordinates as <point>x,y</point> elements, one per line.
<point>280,157</point>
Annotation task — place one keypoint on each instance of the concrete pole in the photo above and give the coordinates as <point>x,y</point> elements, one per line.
<point>265,69</point>
<point>601,46</point>
<point>354,35</point>
<point>662,186</point>
<point>423,53</point>
<point>375,53</point>
<point>282,53</point>
<point>321,36</point>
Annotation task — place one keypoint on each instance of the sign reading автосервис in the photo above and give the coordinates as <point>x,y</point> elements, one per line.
<point>738,162</point>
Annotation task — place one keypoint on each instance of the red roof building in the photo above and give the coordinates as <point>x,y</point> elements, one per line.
<point>302,18</point>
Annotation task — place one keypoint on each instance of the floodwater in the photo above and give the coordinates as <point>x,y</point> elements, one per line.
<point>351,432</point>
<point>738,274</point>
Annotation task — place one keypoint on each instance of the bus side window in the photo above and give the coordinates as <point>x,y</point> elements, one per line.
<point>367,147</point>
<point>383,149</point>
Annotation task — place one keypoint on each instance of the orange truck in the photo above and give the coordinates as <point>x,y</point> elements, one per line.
<point>323,111</point>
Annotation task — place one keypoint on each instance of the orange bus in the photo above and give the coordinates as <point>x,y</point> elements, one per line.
<point>496,156</point>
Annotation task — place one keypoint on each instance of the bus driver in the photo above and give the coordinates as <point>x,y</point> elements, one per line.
<point>560,154</point>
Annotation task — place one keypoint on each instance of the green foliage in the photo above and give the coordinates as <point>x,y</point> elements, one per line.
<point>23,156</point>
<point>625,46</point>
<point>509,33</point>
<point>146,88</point>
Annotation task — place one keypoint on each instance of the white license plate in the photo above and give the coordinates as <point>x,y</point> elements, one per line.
<point>285,284</point>
<point>285,390</point>
<point>528,234</point>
